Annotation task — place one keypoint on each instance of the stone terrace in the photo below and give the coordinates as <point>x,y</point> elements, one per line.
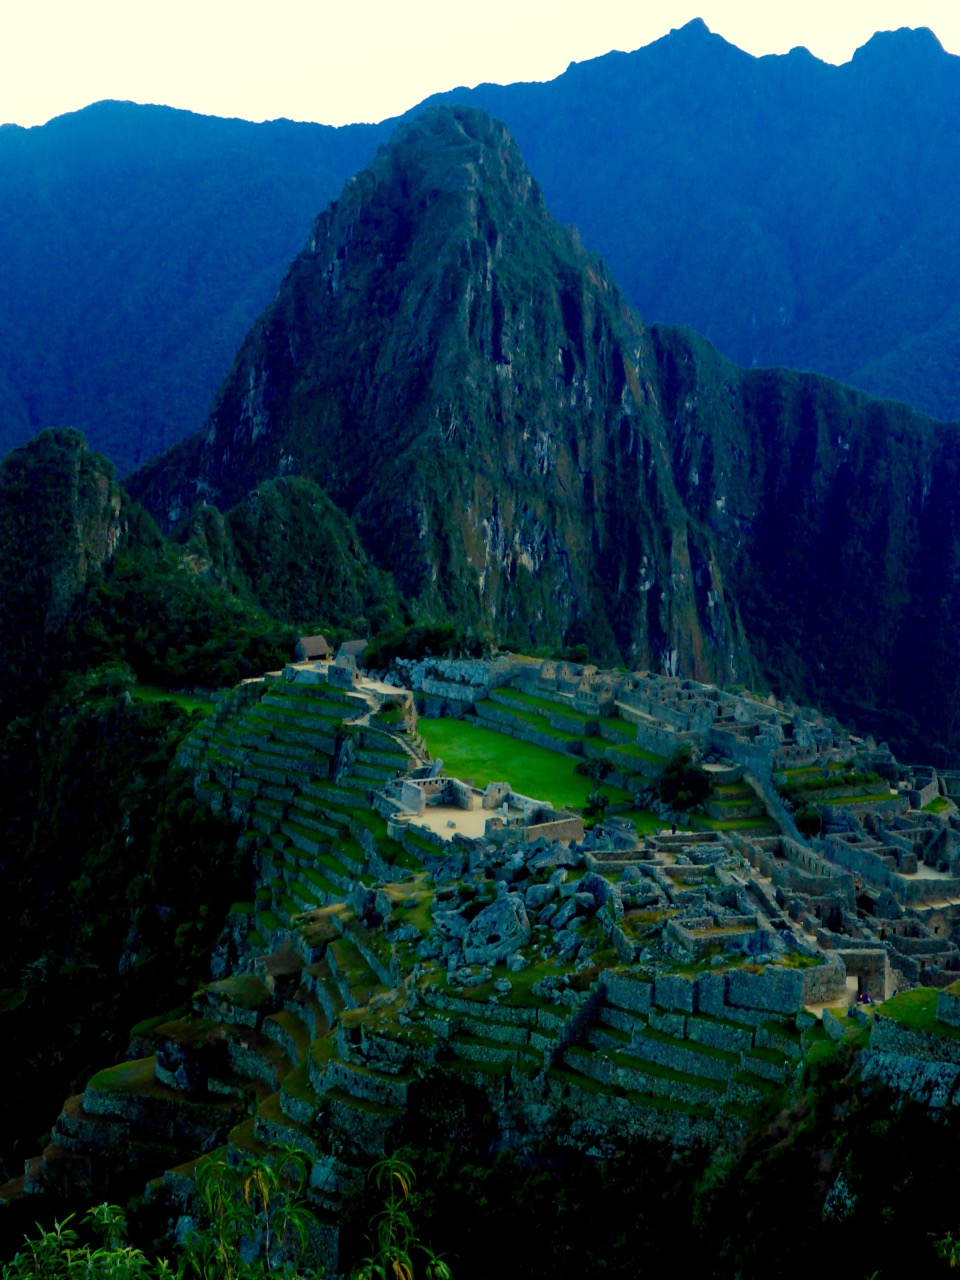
<point>623,986</point>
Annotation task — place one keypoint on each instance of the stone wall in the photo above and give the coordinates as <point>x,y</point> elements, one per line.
<point>462,795</point>
<point>921,795</point>
<point>774,989</point>
<point>495,793</point>
<point>449,691</point>
<point>661,739</point>
<point>872,967</point>
<point>890,1036</point>
<point>935,1084</point>
<point>563,829</point>
<point>873,867</point>
<point>342,676</point>
<point>757,757</point>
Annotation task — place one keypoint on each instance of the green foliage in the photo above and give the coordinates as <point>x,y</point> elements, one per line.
<point>255,1222</point>
<point>393,1240</point>
<point>598,769</point>
<point>426,640</point>
<point>578,653</point>
<point>809,820</point>
<point>86,581</point>
<point>596,805</point>
<point>798,786</point>
<point>172,627</point>
<point>59,1254</point>
<point>289,550</point>
<point>117,885</point>
<point>684,784</point>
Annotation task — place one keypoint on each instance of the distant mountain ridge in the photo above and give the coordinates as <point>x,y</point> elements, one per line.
<point>795,212</point>
<point>527,458</point>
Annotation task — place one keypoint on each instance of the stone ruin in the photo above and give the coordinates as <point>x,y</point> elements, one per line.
<point>592,983</point>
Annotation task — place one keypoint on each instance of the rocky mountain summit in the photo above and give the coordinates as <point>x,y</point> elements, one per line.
<point>524,455</point>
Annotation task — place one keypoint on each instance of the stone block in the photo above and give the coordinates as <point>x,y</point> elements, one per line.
<point>497,932</point>
<point>948,1006</point>
<point>626,992</point>
<point>779,990</point>
<point>671,991</point>
<point>710,994</point>
<point>538,895</point>
<point>565,914</point>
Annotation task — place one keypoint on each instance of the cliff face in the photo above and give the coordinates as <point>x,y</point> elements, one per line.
<point>522,453</point>
<point>60,521</point>
<point>835,518</point>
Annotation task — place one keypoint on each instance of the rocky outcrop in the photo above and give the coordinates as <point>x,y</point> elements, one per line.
<point>61,522</point>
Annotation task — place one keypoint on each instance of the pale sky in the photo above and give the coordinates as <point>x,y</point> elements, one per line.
<point>339,61</point>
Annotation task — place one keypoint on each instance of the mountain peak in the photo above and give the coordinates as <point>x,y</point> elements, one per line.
<point>444,151</point>
<point>906,47</point>
<point>695,29</point>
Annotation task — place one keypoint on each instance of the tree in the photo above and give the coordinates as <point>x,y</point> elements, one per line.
<point>683,783</point>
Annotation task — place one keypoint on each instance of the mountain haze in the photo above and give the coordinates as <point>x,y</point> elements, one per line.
<point>138,244</point>
<point>795,212</point>
<point>523,455</point>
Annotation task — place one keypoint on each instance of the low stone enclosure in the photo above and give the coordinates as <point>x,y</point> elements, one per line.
<point>512,816</point>
<point>594,987</point>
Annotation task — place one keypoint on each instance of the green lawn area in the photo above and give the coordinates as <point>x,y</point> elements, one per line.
<point>469,751</point>
<point>761,823</point>
<point>917,1009</point>
<point>937,805</point>
<point>811,770</point>
<point>880,797</point>
<point>153,693</point>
